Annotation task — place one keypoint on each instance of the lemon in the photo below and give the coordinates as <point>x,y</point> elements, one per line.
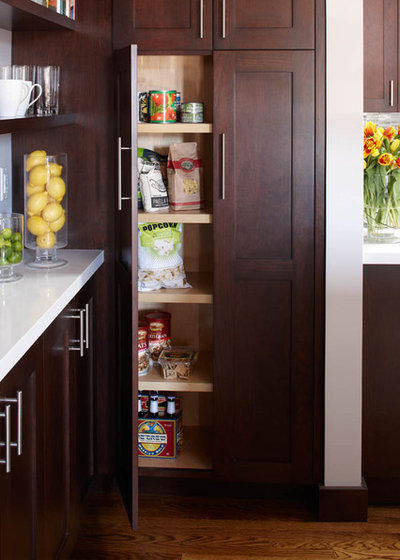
<point>56,188</point>
<point>55,169</point>
<point>46,241</point>
<point>31,189</point>
<point>37,226</point>
<point>36,203</point>
<point>38,157</point>
<point>39,175</point>
<point>58,224</point>
<point>52,212</point>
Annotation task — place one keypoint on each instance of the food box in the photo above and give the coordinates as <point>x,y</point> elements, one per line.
<point>177,362</point>
<point>159,438</point>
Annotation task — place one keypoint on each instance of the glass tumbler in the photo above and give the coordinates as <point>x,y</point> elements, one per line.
<point>48,77</point>
<point>11,246</point>
<point>46,209</point>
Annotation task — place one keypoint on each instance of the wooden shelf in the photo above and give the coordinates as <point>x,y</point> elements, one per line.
<point>151,128</point>
<point>201,291</point>
<point>25,15</point>
<point>200,381</point>
<point>31,124</point>
<point>195,454</point>
<point>187,217</point>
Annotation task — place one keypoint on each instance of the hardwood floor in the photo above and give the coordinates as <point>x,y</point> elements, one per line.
<point>200,528</point>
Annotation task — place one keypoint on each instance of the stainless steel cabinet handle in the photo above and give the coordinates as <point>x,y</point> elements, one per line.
<point>81,340</point>
<point>87,320</point>
<point>120,197</point>
<point>223,166</point>
<point>391,93</point>
<point>201,19</point>
<point>7,442</point>
<point>223,19</point>
<point>18,401</point>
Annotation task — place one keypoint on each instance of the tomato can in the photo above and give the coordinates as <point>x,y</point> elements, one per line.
<point>143,348</point>
<point>159,333</point>
<point>162,106</point>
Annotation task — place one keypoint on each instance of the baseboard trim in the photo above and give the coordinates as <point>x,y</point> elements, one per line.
<point>343,503</point>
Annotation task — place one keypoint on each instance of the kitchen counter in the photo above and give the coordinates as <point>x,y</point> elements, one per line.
<point>30,305</point>
<point>384,253</point>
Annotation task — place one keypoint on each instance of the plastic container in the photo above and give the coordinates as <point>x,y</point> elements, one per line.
<point>11,246</point>
<point>46,207</point>
<point>177,362</point>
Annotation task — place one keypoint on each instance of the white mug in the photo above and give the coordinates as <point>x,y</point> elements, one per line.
<point>12,93</point>
<point>25,104</point>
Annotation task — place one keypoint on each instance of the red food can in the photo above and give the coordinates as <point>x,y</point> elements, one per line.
<point>159,333</point>
<point>162,106</point>
<point>143,348</point>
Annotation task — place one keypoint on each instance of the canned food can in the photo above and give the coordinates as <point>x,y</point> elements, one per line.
<point>143,106</point>
<point>178,105</point>
<point>143,349</point>
<point>192,112</point>
<point>162,106</point>
<point>159,333</point>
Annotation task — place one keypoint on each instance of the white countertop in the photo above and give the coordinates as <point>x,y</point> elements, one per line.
<point>382,253</point>
<point>30,305</point>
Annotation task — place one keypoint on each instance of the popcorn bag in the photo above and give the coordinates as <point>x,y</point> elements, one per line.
<point>185,177</point>
<point>160,262</point>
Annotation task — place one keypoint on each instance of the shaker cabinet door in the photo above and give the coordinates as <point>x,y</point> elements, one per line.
<point>264,265</point>
<point>163,25</point>
<point>263,24</point>
<point>380,55</point>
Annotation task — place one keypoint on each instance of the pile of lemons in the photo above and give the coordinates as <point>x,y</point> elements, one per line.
<point>45,190</point>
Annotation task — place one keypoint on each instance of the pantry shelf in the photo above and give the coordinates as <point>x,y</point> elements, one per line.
<point>187,217</point>
<point>195,454</point>
<point>151,128</point>
<point>25,15</point>
<point>31,124</point>
<point>200,292</point>
<point>200,381</point>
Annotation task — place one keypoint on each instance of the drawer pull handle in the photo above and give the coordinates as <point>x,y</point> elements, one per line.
<point>7,443</point>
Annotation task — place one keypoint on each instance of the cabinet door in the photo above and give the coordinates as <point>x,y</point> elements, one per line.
<point>18,487</point>
<point>54,441</point>
<point>381,382</point>
<point>263,254</point>
<point>126,280</point>
<point>163,25</point>
<point>263,24</point>
<point>380,55</point>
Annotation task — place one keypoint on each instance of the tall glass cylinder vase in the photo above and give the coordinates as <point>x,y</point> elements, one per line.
<point>381,206</point>
<point>46,209</point>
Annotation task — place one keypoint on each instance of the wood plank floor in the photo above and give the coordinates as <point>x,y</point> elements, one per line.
<point>185,528</point>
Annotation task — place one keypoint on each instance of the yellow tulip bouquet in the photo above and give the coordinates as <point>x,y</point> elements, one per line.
<point>381,180</point>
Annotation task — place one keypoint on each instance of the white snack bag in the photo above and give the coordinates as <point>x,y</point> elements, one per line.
<point>152,187</point>
<point>160,263</point>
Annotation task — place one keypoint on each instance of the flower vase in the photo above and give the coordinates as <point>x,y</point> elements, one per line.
<point>381,206</point>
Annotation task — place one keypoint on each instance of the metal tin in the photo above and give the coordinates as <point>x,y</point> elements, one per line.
<point>143,106</point>
<point>192,112</point>
<point>178,105</point>
<point>162,106</point>
<point>159,334</point>
<point>143,348</point>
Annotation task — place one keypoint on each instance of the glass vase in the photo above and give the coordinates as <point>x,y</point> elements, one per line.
<point>11,246</point>
<point>46,208</point>
<point>381,206</point>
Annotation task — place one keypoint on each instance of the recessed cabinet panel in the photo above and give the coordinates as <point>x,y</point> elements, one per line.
<point>262,391</point>
<point>263,175</point>
<point>380,55</point>
<point>263,24</point>
<point>163,25</point>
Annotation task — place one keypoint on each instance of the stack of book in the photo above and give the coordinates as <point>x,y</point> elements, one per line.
<point>64,7</point>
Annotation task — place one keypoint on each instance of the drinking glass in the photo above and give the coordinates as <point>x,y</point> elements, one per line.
<point>49,78</point>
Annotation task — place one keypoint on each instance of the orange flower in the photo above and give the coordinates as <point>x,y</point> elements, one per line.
<point>390,133</point>
<point>371,145</point>
<point>369,129</point>
<point>386,159</point>
<point>397,162</point>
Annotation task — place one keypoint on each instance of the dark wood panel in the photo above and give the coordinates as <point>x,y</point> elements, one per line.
<point>166,26</point>
<point>264,24</point>
<point>380,54</point>
<point>289,311</point>
<point>86,89</point>
<point>32,124</point>
<point>25,15</point>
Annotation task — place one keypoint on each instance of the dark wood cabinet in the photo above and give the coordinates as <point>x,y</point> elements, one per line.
<point>381,366</point>
<point>18,520</point>
<point>263,24</point>
<point>380,55</point>
<point>166,25</point>
<point>264,262</point>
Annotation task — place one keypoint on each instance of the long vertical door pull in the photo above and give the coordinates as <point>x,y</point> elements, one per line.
<point>7,443</point>
<point>224,19</point>
<point>223,166</point>
<point>120,197</point>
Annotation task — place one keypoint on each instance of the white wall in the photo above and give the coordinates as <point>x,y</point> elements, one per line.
<point>5,139</point>
<point>344,243</point>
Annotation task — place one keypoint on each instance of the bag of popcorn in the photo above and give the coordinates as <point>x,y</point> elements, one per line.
<point>160,262</point>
